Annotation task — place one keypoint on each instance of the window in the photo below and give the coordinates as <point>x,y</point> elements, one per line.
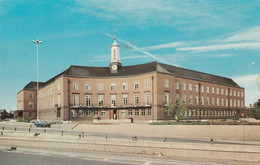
<point>103,113</point>
<point>190,87</point>
<point>146,84</point>
<point>58,100</point>
<point>177,97</point>
<point>202,88</point>
<point>113,87</point>
<point>100,100</point>
<point>113,100</point>
<point>212,101</point>
<point>242,94</point>
<point>136,112</point>
<point>130,112</point>
<point>136,85</point>
<point>235,103</point>
<point>149,111</point>
<point>242,103</point>
<point>166,98</point>
<point>238,103</point>
<point>217,91</point>
<point>75,85</point>
<point>125,99</point>
<point>207,89</point>
<point>95,112</point>
<point>88,100</point>
<point>30,105</point>
<point>75,99</point>
<point>222,102</point>
<point>230,94</point>
<point>222,91</point>
<point>88,112</point>
<point>147,99</point>
<point>123,112</point>
<point>143,112</point>
<point>238,94</point>
<point>226,102</point>
<point>217,101</point>
<point>196,100</point>
<point>231,103</point>
<point>207,101</point>
<point>196,88</point>
<point>73,113</point>
<point>166,83</point>
<point>88,86</point>
<point>234,93</point>
<point>226,92</point>
<point>177,85</point>
<point>81,113</point>
<point>202,100</point>
<point>184,99</point>
<point>58,112</point>
<point>30,96</point>
<point>136,99</point>
<point>124,86</point>
<point>212,90</point>
<point>100,86</point>
<point>183,86</point>
<point>190,100</point>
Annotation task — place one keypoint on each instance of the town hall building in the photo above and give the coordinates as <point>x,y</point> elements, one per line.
<point>137,92</point>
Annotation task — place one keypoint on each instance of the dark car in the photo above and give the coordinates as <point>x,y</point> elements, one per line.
<point>42,124</point>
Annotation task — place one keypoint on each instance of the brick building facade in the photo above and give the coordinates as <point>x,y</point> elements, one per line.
<point>139,92</point>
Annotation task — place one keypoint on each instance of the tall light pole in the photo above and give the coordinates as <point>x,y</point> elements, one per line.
<point>37,43</point>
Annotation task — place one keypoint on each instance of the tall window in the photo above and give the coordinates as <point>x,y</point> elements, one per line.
<point>230,94</point>
<point>81,113</point>
<point>238,94</point>
<point>231,103</point>
<point>113,100</point>
<point>226,102</point>
<point>212,90</point>
<point>146,84</point>
<point>202,100</point>
<point>149,111</point>
<point>124,86</point>
<point>88,100</point>
<point>136,112</point>
<point>74,113</point>
<point>177,86</point>
<point>103,113</point>
<point>217,91</point>
<point>58,100</point>
<point>95,112</point>
<point>234,93</point>
<point>226,92</point>
<point>147,99</point>
<point>184,99</point>
<point>196,88</point>
<point>196,100</point>
<point>177,97</point>
<point>190,87</point>
<point>75,85</point>
<point>100,100</point>
<point>130,112</point>
<point>125,99</point>
<point>113,86</point>
<point>207,101</point>
<point>202,88</point>
<point>242,94</point>
<point>30,96</point>
<point>114,54</point>
<point>123,113</point>
<point>136,99</point>
<point>222,91</point>
<point>217,101</point>
<point>88,112</point>
<point>190,100</point>
<point>235,103</point>
<point>143,112</point>
<point>136,85</point>
<point>166,98</point>
<point>207,89</point>
<point>88,86</point>
<point>222,102</point>
<point>238,103</point>
<point>75,99</point>
<point>183,86</point>
<point>30,105</point>
<point>212,101</point>
<point>100,86</point>
<point>166,83</point>
<point>242,103</point>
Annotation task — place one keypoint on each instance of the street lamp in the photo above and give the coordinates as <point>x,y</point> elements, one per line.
<point>37,43</point>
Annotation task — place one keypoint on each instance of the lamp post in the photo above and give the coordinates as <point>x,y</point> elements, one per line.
<point>37,43</point>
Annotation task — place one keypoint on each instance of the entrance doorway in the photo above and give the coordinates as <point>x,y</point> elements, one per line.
<point>113,114</point>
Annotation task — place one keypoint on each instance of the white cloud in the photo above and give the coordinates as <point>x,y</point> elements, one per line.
<point>211,48</point>
<point>163,46</point>
<point>135,48</point>
<point>251,83</point>
<point>252,34</point>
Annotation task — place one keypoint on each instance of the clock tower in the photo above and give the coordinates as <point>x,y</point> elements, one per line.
<point>115,62</point>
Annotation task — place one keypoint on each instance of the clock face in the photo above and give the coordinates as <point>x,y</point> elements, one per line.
<point>114,67</point>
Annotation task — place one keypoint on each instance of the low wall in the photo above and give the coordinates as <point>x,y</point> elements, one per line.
<point>225,132</point>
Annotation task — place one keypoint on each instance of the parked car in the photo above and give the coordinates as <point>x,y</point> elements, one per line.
<point>42,124</point>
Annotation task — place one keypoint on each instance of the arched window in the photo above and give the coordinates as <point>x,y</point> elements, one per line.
<point>114,54</point>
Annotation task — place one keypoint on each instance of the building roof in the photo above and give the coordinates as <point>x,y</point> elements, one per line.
<point>86,71</point>
<point>33,85</point>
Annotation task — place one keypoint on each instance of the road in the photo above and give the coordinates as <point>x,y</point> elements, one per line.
<point>25,156</point>
<point>66,129</point>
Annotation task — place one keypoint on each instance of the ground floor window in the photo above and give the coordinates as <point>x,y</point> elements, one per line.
<point>136,112</point>
<point>130,112</point>
<point>103,113</point>
<point>58,112</point>
<point>30,114</point>
<point>95,112</point>
<point>143,112</point>
<point>88,112</point>
<point>81,113</point>
<point>74,113</point>
<point>123,113</point>
<point>149,112</point>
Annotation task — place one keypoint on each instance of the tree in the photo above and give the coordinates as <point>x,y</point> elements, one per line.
<point>181,110</point>
<point>255,111</point>
<point>169,108</point>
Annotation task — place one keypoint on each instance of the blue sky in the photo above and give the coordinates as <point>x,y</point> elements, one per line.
<point>216,37</point>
